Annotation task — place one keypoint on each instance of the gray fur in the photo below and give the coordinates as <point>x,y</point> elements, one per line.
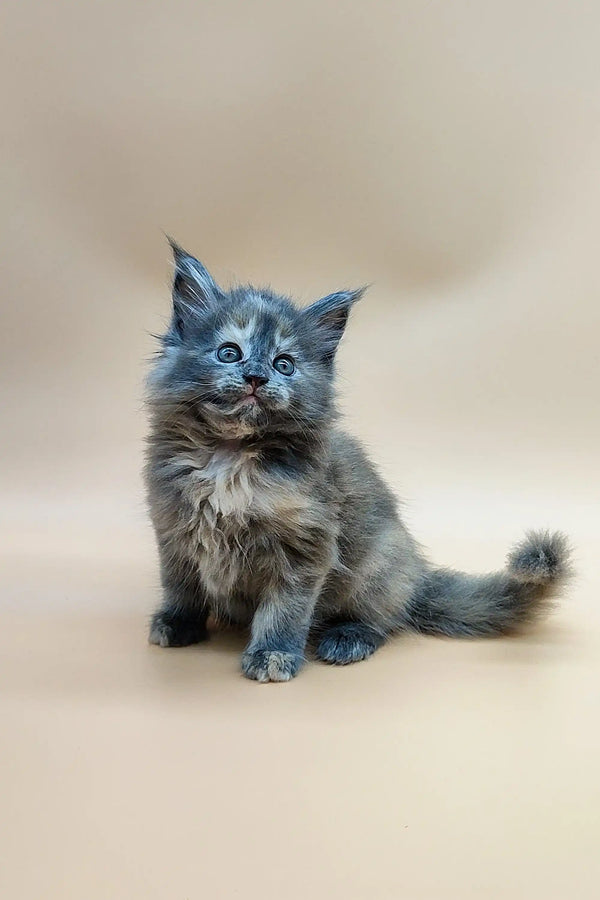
<point>269,516</point>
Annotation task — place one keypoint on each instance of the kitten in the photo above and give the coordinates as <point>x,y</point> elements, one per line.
<point>267,515</point>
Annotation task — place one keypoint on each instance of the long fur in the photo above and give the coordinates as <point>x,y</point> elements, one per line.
<point>268,515</point>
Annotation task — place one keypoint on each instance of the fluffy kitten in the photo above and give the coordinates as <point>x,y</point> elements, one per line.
<point>267,515</point>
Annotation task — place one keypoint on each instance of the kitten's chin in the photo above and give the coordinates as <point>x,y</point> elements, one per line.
<point>248,403</point>
<point>250,413</point>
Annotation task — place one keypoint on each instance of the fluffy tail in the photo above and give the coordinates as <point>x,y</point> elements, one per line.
<point>461,605</point>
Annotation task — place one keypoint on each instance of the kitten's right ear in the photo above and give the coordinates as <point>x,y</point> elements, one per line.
<point>194,288</point>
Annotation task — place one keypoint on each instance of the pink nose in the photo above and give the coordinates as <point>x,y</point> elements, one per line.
<point>255,381</point>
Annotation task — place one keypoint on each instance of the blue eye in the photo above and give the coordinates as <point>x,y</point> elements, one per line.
<point>284,364</point>
<point>229,353</point>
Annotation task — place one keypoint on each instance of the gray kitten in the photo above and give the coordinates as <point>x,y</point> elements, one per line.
<point>267,515</point>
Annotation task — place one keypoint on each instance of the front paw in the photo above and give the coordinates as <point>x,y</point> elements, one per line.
<point>271,665</point>
<point>172,630</point>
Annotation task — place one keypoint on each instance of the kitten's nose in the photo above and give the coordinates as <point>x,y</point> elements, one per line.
<point>255,380</point>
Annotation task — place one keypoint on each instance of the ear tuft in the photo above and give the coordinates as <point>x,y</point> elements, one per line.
<point>194,288</point>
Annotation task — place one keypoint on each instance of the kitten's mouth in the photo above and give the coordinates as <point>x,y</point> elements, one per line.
<point>250,399</point>
<point>248,407</point>
<point>249,404</point>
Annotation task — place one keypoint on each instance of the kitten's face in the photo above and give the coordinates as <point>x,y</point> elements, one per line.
<point>248,361</point>
<point>253,363</point>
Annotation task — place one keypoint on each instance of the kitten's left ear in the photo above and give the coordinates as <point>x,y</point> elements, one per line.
<point>330,315</point>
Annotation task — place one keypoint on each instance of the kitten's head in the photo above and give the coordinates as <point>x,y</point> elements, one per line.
<point>247,361</point>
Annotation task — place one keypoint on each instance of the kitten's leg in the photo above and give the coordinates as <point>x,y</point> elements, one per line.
<point>279,632</point>
<point>181,618</point>
<point>347,642</point>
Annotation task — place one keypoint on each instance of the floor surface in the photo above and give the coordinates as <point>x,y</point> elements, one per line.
<point>437,769</point>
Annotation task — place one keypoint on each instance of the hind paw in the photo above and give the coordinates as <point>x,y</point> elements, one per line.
<point>348,642</point>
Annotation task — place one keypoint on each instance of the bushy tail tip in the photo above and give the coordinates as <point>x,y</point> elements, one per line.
<point>542,557</point>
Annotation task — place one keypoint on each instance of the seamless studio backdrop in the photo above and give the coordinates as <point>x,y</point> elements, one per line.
<point>445,153</point>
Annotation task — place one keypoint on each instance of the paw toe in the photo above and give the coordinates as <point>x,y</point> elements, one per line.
<point>160,634</point>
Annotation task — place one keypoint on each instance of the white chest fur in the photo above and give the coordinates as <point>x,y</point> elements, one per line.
<point>226,484</point>
<point>220,493</point>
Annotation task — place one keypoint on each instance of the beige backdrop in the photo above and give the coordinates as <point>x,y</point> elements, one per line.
<point>446,152</point>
